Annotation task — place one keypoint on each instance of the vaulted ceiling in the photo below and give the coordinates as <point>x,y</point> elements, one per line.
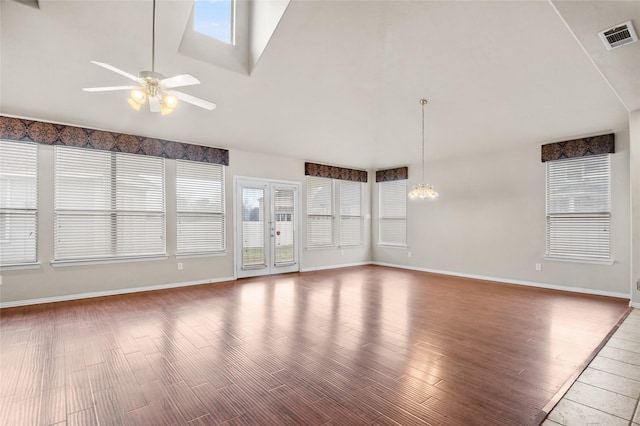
<point>340,81</point>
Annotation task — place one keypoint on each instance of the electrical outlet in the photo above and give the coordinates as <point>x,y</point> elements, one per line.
<point>408,254</point>
<point>179,266</point>
<point>538,267</point>
<point>341,252</point>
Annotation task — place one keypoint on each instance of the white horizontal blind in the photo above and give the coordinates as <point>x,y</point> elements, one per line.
<point>284,207</point>
<point>200,207</point>
<point>18,203</point>
<point>393,213</point>
<point>579,207</point>
<point>319,212</point>
<point>350,213</point>
<point>108,205</point>
<point>253,227</point>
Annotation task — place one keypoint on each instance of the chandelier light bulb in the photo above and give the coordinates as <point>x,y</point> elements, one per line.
<point>423,191</point>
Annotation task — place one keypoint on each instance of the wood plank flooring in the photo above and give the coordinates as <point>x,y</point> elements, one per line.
<point>365,345</point>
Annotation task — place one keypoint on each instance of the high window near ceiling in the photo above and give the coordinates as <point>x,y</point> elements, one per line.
<point>200,208</point>
<point>18,203</point>
<point>578,203</point>
<point>216,19</point>
<point>108,205</point>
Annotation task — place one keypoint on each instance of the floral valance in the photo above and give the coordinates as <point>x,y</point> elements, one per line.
<point>19,129</point>
<point>594,145</point>
<point>333,172</point>
<point>388,175</point>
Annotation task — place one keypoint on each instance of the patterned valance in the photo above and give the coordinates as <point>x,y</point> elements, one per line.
<point>333,172</point>
<point>19,129</point>
<point>399,173</point>
<point>602,144</point>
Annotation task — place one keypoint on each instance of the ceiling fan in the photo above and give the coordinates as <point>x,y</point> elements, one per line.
<point>154,86</point>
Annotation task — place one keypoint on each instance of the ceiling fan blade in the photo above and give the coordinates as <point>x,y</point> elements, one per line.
<point>179,81</point>
<point>116,70</point>
<point>154,104</point>
<point>109,88</point>
<point>192,100</point>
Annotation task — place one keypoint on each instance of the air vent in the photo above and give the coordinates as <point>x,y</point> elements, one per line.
<point>618,35</point>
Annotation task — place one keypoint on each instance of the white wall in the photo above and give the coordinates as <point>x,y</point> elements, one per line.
<point>489,221</point>
<point>59,283</point>
<point>634,163</point>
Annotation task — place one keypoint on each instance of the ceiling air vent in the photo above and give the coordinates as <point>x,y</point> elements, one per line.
<point>618,35</point>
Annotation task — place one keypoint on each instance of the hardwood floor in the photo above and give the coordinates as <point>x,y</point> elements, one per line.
<point>364,345</point>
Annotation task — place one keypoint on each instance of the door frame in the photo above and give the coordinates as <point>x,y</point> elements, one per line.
<point>237,243</point>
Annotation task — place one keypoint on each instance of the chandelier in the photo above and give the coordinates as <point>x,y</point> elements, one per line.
<point>423,190</point>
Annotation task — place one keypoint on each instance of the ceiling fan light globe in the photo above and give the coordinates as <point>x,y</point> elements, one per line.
<point>138,96</point>
<point>170,101</point>
<point>166,110</point>
<point>133,104</point>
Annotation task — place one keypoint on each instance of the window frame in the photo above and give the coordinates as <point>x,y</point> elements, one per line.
<point>201,213</point>
<point>336,218</point>
<point>574,217</point>
<point>326,216</point>
<point>29,211</point>
<point>384,218</point>
<point>116,204</point>
<point>345,218</point>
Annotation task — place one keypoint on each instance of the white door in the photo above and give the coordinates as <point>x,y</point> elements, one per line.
<point>266,227</point>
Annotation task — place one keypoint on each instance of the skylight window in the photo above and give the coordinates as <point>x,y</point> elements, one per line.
<point>214,18</point>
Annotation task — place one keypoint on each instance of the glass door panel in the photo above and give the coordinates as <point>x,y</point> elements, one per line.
<point>253,228</point>
<point>284,238</point>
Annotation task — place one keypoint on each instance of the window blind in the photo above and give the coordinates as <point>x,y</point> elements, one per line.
<point>319,212</point>
<point>200,207</point>
<point>350,213</point>
<point>108,205</point>
<point>578,202</point>
<point>393,213</point>
<point>18,203</point>
<point>253,227</point>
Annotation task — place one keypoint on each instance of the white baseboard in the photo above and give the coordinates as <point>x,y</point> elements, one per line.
<point>510,281</point>
<point>635,305</point>
<point>345,265</point>
<point>78,296</point>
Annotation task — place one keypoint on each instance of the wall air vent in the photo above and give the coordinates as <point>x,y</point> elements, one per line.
<point>618,35</point>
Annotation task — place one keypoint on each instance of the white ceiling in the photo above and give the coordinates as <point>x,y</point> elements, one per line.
<point>340,81</point>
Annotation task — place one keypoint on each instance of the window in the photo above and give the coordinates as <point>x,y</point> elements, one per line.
<point>215,18</point>
<point>578,208</point>
<point>320,207</point>
<point>108,205</point>
<point>319,212</point>
<point>393,213</point>
<point>200,207</point>
<point>18,203</point>
<point>350,213</point>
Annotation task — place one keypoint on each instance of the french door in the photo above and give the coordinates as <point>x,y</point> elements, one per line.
<point>266,218</point>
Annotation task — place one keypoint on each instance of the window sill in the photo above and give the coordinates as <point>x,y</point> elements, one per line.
<point>20,266</point>
<point>88,262</point>
<point>393,246</point>
<point>320,248</point>
<point>211,254</point>
<point>580,260</point>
